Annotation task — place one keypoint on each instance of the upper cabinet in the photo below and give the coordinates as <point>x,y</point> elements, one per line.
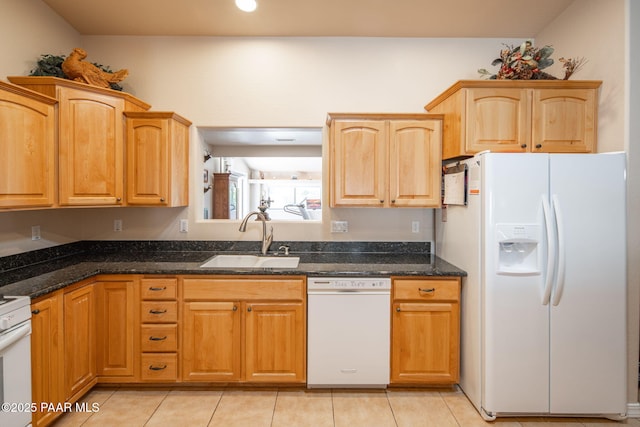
<point>95,138</point>
<point>157,159</point>
<point>384,160</point>
<point>91,139</point>
<point>540,116</point>
<point>27,148</point>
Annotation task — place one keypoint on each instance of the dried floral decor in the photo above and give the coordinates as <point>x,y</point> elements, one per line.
<point>526,62</point>
<point>101,75</point>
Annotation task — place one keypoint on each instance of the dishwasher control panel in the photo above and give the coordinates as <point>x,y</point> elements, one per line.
<point>348,283</point>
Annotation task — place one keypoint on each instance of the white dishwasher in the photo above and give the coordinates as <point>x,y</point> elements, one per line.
<point>348,332</point>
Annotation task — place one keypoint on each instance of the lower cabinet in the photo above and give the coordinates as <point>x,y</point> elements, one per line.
<point>117,311</point>
<point>47,356</point>
<point>249,329</point>
<point>158,358</point>
<point>425,331</point>
<point>79,341</point>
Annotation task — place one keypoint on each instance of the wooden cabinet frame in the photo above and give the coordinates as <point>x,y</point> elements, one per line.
<point>518,116</point>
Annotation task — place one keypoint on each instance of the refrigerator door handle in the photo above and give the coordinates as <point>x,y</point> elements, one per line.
<point>561,249</point>
<point>551,251</point>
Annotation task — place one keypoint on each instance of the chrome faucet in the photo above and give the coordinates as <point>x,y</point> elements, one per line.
<point>266,239</point>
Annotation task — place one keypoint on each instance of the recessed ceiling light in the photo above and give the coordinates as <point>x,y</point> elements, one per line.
<point>246,5</point>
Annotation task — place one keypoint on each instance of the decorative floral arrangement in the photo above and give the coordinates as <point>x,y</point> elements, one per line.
<point>526,62</point>
<point>51,65</point>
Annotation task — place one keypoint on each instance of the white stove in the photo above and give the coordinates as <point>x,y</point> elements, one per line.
<point>15,361</point>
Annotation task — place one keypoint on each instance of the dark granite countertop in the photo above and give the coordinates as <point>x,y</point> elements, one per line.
<point>47,272</point>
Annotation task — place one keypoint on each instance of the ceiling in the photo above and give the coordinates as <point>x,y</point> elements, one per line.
<point>340,18</point>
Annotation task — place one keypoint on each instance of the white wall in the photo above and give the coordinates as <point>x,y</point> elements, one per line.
<point>291,82</point>
<point>28,29</point>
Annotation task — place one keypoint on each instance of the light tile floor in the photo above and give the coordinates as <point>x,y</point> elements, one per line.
<point>285,407</point>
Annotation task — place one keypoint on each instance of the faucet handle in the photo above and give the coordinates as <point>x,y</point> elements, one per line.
<point>285,248</point>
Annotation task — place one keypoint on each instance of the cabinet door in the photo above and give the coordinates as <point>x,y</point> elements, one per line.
<point>90,148</point>
<point>425,343</point>
<point>147,161</point>
<point>564,120</point>
<point>275,342</point>
<point>211,341</point>
<point>498,120</point>
<point>27,151</point>
<point>116,327</point>
<point>358,159</point>
<point>47,366</point>
<point>414,163</point>
<point>79,341</point>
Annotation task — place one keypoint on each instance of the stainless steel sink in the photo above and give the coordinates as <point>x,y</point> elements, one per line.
<point>251,261</point>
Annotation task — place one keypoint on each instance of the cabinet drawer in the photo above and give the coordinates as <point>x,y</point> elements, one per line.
<point>158,338</point>
<point>159,289</point>
<point>158,311</point>
<point>428,290</point>
<point>159,367</point>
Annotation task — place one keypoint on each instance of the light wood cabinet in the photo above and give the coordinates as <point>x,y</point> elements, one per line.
<point>158,360</point>
<point>384,160</point>
<point>249,329</point>
<point>425,330</point>
<point>157,158</point>
<point>79,340</point>
<point>47,356</point>
<point>117,332</point>
<point>541,116</point>
<point>27,148</point>
<point>90,137</point>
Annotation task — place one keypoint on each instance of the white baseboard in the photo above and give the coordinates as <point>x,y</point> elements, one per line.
<point>633,410</point>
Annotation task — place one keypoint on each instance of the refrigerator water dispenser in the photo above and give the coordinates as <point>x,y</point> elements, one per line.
<point>518,248</point>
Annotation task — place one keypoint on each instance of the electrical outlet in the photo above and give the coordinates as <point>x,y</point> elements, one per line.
<point>35,232</point>
<point>117,225</point>
<point>339,226</point>
<point>415,226</point>
<point>184,225</point>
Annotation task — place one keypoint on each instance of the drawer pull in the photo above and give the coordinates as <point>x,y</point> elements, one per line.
<point>157,368</point>
<point>158,338</point>
<point>158,289</point>
<point>427,291</point>
<point>158,311</point>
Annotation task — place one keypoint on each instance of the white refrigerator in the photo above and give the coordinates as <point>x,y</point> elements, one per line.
<point>543,308</point>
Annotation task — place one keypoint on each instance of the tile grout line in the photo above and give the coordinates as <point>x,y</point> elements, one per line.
<point>395,420</point>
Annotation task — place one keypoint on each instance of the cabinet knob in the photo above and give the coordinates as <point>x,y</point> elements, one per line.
<point>523,146</point>
<point>162,199</point>
<point>398,309</point>
<point>538,145</point>
<point>118,199</point>
<point>235,308</point>
<point>36,311</point>
<point>381,201</point>
<point>157,368</point>
<point>249,309</point>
